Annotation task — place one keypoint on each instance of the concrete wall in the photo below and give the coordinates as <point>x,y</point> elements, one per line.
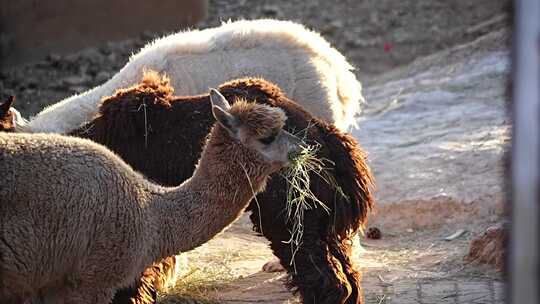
<point>31,29</point>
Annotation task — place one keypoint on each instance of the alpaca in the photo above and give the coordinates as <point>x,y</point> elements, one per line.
<point>89,224</point>
<point>147,126</point>
<point>158,277</point>
<point>301,62</point>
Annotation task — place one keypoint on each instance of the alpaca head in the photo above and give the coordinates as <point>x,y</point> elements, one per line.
<point>257,127</point>
<point>9,117</point>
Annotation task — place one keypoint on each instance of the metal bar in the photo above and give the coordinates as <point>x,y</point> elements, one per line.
<point>524,239</point>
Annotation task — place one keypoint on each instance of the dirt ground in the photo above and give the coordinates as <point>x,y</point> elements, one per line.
<point>412,263</point>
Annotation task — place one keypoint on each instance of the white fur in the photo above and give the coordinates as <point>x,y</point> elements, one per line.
<point>302,63</point>
<point>18,120</point>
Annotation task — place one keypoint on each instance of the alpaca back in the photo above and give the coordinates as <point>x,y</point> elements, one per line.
<point>300,61</point>
<point>59,199</point>
<point>156,133</point>
<point>23,153</point>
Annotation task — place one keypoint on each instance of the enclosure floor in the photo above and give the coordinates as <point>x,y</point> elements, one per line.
<point>412,267</point>
<point>440,291</point>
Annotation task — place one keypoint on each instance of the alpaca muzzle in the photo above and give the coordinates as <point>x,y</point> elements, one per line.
<point>294,146</point>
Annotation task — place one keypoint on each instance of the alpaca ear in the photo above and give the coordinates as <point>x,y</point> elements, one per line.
<point>220,105</point>
<point>219,100</point>
<point>224,119</point>
<point>4,107</point>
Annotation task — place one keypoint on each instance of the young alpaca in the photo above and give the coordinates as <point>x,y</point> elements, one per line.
<point>301,62</point>
<point>89,224</point>
<point>147,126</point>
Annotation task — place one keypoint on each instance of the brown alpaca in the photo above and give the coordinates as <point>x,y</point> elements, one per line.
<point>89,224</point>
<point>162,135</point>
<point>7,116</point>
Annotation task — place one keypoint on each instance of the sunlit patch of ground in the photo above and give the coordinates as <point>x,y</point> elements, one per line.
<point>231,257</point>
<point>422,267</point>
<point>406,266</point>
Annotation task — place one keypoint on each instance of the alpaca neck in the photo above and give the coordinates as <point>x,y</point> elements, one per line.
<point>67,114</point>
<point>214,197</point>
<point>74,111</point>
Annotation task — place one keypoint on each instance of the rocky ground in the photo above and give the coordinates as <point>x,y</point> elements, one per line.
<point>435,126</point>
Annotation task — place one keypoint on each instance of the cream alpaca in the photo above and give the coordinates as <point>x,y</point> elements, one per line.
<point>302,63</point>
<point>77,223</point>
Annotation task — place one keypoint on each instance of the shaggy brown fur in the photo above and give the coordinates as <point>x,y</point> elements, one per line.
<point>162,136</point>
<point>6,115</point>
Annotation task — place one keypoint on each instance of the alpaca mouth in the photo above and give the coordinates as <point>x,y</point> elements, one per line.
<point>299,156</point>
<point>290,160</point>
<point>293,157</point>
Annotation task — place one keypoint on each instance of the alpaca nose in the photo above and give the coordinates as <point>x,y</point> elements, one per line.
<point>294,145</point>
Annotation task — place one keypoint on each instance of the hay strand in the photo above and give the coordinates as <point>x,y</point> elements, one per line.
<point>300,198</point>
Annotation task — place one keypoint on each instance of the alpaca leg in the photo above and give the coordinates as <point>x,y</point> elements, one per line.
<point>315,274</point>
<point>342,250</point>
<point>139,293</point>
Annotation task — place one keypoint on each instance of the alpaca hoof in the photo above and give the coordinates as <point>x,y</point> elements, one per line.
<point>273,266</point>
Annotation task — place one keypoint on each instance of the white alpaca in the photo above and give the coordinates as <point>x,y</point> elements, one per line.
<point>77,223</point>
<point>302,63</point>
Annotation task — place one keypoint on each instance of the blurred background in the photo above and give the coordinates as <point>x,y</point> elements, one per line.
<point>375,35</point>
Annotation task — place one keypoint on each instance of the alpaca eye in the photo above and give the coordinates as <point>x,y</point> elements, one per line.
<point>268,140</point>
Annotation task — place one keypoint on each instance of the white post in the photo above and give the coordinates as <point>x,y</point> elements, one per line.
<point>524,239</point>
